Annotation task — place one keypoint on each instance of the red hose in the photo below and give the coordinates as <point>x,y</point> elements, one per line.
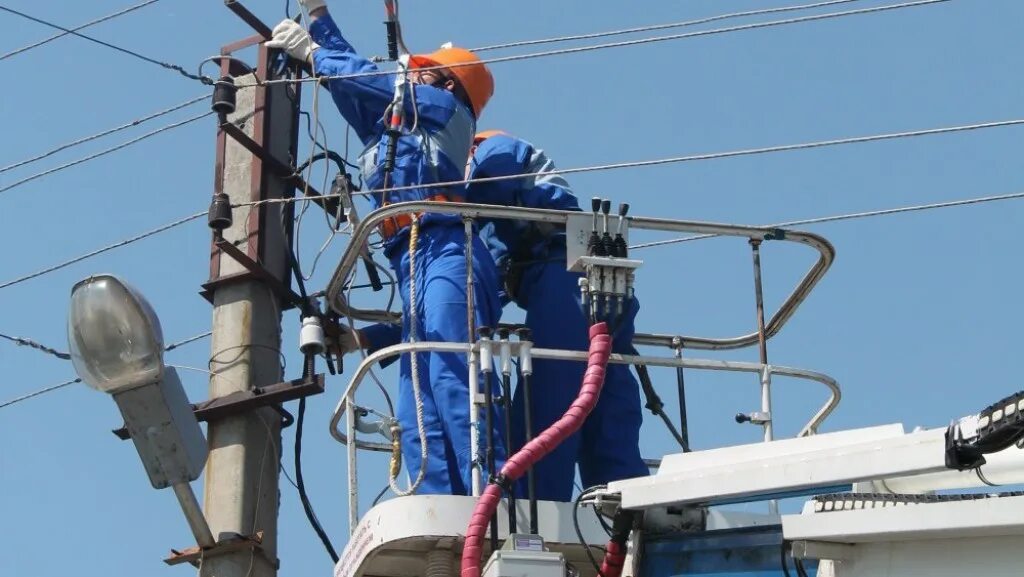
<point>541,445</point>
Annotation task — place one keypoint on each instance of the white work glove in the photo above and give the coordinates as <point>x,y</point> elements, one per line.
<point>311,5</point>
<point>294,40</point>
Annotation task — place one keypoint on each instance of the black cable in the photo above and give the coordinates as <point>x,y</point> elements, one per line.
<point>106,18</point>
<point>329,154</point>
<point>800,570</point>
<point>579,533</point>
<point>306,506</point>
<point>380,495</point>
<point>782,558</point>
<point>654,404</point>
<point>174,67</point>
<point>604,524</point>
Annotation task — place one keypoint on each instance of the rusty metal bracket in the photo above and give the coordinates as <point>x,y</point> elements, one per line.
<point>235,542</point>
<point>280,169</point>
<point>249,18</point>
<point>285,293</point>
<point>246,401</point>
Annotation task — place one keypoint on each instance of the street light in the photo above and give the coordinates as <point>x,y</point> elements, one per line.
<point>117,347</point>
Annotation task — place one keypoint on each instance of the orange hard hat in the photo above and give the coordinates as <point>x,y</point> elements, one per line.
<point>467,69</point>
<point>482,136</point>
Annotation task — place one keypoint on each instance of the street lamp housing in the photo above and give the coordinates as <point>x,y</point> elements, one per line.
<point>115,337</point>
<point>117,348</point>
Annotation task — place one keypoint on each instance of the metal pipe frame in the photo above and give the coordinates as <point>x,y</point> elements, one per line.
<point>361,234</point>
<point>558,354</point>
<point>348,398</point>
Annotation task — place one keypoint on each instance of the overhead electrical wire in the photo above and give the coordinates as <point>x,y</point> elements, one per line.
<point>703,32</point>
<point>668,26</point>
<point>104,249</point>
<point>570,171</point>
<point>852,216</point>
<point>59,386</point>
<point>176,68</point>
<point>109,131</point>
<point>679,159</point>
<point>579,49</point>
<point>23,342</point>
<point>77,28</point>
<point>104,152</point>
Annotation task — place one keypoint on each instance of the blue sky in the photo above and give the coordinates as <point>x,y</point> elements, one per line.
<point>918,318</point>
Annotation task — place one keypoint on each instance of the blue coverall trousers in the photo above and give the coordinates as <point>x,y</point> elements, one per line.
<point>443,377</point>
<point>607,448</point>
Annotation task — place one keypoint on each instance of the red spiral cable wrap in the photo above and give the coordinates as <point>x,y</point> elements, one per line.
<point>614,559</point>
<point>541,445</point>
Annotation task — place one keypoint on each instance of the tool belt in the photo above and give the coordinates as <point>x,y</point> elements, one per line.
<point>392,226</point>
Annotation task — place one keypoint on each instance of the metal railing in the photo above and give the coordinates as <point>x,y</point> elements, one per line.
<point>764,329</point>
<point>348,398</point>
<point>826,254</point>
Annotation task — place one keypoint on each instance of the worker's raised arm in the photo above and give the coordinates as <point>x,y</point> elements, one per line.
<point>363,99</point>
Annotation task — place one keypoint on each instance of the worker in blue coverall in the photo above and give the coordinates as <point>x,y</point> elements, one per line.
<point>532,257</point>
<point>447,103</point>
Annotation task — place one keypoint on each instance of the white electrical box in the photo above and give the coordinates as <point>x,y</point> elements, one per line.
<point>525,564</point>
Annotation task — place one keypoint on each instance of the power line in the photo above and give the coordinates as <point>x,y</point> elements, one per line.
<point>683,24</point>
<point>104,152</point>
<point>528,56</point>
<point>853,216</point>
<point>59,386</point>
<point>43,391</point>
<point>107,132</point>
<point>23,342</point>
<point>173,346</point>
<point>77,28</point>
<point>594,168</point>
<point>167,65</point>
<point>675,159</point>
<point>104,249</point>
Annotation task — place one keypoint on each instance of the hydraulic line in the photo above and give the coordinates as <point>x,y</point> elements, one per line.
<point>505,356</point>
<point>544,443</point>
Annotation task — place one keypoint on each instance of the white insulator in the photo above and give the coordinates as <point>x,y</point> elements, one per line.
<point>486,356</point>
<point>311,337</point>
<point>526,357</point>
<point>439,563</point>
<point>506,357</point>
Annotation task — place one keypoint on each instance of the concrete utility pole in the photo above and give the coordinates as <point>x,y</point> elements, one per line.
<point>241,485</point>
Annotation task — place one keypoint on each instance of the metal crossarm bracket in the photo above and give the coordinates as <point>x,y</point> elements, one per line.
<point>246,401</point>
<point>236,542</point>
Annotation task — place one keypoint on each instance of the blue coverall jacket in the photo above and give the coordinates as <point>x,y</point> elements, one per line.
<point>436,152</point>
<point>607,448</point>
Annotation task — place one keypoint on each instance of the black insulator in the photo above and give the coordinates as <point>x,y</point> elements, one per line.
<point>606,206</point>
<point>524,334</point>
<point>224,92</point>
<point>220,212</point>
<point>392,27</point>
<point>595,206</point>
